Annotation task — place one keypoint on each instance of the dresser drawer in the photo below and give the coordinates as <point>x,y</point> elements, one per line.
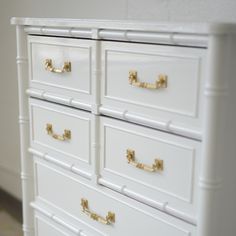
<point>62,133</point>
<point>155,167</point>
<point>44,227</point>
<point>160,83</point>
<point>48,223</point>
<point>109,214</point>
<point>62,66</point>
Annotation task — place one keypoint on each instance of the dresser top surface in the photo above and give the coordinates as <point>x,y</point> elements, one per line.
<point>151,26</point>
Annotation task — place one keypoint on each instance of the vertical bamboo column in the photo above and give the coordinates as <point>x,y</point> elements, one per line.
<point>215,152</point>
<point>95,107</point>
<point>26,160</point>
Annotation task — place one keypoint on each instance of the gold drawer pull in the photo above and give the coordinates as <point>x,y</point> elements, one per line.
<point>63,137</point>
<point>109,219</point>
<point>158,164</point>
<point>65,68</point>
<point>161,82</point>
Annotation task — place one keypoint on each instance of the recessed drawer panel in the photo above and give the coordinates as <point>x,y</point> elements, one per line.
<point>162,83</point>
<point>62,66</point>
<point>155,167</point>
<point>112,215</point>
<point>46,228</point>
<point>48,223</point>
<point>61,132</point>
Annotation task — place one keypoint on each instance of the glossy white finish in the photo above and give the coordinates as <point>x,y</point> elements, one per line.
<point>184,67</point>
<point>52,97</point>
<point>47,223</point>
<point>78,82</point>
<point>75,151</point>
<point>205,112</point>
<point>164,10</point>
<point>174,188</point>
<point>45,228</point>
<point>191,28</point>
<point>61,221</point>
<point>158,124</point>
<point>217,177</point>
<point>52,195</point>
<point>123,35</point>
<point>26,162</point>
<point>70,166</point>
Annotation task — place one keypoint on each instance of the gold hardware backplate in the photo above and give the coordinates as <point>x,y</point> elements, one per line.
<point>157,166</point>
<point>65,136</point>
<point>49,67</point>
<point>161,82</point>
<point>108,219</point>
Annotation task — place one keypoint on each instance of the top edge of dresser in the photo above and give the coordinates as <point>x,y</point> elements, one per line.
<point>151,26</point>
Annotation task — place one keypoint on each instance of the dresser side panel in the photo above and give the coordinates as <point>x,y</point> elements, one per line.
<point>26,162</point>
<point>228,193</point>
<point>217,176</point>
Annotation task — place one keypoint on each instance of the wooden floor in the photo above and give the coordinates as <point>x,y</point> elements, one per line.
<point>10,215</point>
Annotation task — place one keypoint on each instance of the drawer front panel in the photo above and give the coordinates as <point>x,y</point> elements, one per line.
<point>54,141</point>
<point>50,224</point>
<point>154,164</point>
<point>128,219</point>
<point>178,99</point>
<point>46,228</point>
<point>62,65</point>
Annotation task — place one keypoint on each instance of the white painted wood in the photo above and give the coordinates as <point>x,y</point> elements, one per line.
<point>123,35</point>
<point>184,68</point>
<point>61,222</point>
<point>217,177</point>
<point>198,104</point>
<point>53,225</point>
<point>83,33</point>
<point>69,101</point>
<point>124,214</point>
<point>191,28</point>
<point>175,187</point>
<point>76,150</point>
<point>158,124</point>
<point>66,165</point>
<point>150,37</point>
<point>97,73</point>
<point>26,161</point>
<point>44,214</point>
<point>78,82</point>
<point>45,228</point>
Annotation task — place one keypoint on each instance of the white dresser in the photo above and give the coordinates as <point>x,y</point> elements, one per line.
<point>127,128</point>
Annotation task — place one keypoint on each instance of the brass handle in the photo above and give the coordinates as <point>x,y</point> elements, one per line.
<point>49,67</point>
<point>109,219</point>
<point>63,137</point>
<point>157,166</point>
<point>161,82</point>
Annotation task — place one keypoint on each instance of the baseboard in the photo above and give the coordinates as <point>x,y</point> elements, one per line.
<point>10,182</point>
<point>11,205</point>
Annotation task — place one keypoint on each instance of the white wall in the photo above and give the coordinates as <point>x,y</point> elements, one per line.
<point>159,10</point>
